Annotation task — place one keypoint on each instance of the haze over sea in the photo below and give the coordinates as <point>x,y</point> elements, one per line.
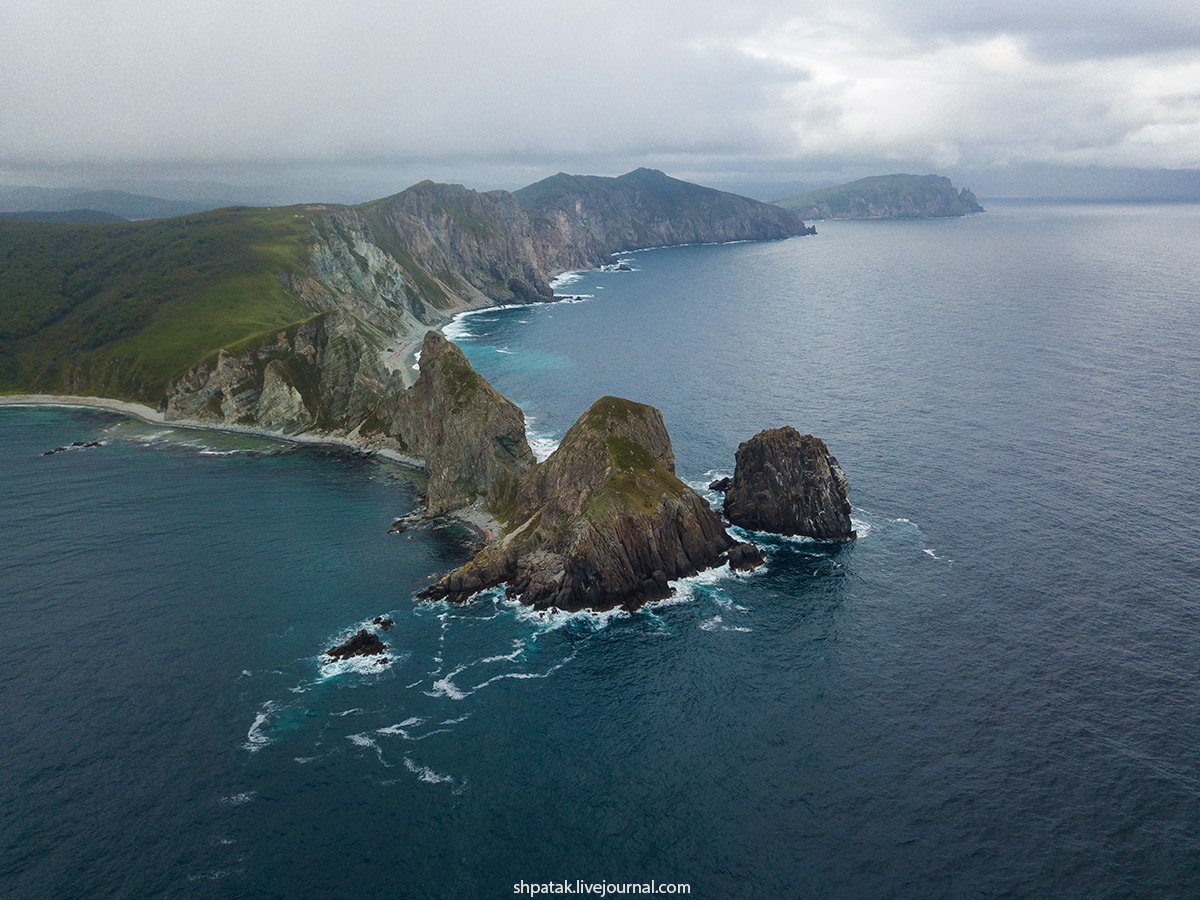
<point>993,691</point>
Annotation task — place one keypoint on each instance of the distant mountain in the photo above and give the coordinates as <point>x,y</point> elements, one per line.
<point>118,203</point>
<point>579,221</point>
<point>66,216</point>
<point>885,197</point>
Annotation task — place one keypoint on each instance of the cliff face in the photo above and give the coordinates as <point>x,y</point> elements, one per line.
<point>886,197</point>
<point>603,522</point>
<point>579,221</point>
<point>474,245</point>
<point>788,483</point>
<point>471,436</point>
<point>318,375</point>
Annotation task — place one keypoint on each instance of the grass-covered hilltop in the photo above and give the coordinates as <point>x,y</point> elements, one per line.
<point>885,197</point>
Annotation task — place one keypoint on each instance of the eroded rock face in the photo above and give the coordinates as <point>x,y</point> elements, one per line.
<point>471,436</point>
<point>789,483</point>
<point>603,522</point>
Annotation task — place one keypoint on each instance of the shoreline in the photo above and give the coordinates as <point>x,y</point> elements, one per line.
<point>154,417</point>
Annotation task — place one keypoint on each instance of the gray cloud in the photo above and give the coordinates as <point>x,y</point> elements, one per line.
<point>475,87</point>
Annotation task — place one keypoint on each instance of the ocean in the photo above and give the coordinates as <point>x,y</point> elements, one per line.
<point>993,691</point>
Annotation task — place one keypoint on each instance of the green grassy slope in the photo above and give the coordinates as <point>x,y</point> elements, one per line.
<point>120,310</point>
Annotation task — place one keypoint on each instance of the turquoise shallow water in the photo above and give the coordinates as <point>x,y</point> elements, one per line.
<point>994,691</point>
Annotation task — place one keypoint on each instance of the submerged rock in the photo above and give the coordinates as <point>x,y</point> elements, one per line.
<point>363,643</point>
<point>75,445</point>
<point>603,522</point>
<point>789,483</point>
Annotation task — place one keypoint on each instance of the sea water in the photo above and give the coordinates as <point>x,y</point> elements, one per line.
<point>994,690</point>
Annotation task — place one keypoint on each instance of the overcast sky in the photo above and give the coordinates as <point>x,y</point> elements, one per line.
<point>511,91</point>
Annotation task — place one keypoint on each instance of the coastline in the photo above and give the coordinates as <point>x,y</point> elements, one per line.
<point>154,417</point>
<point>403,358</point>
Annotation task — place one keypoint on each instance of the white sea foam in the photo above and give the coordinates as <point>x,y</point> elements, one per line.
<point>256,738</point>
<point>367,743</point>
<point>357,665</point>
<point>401,728</point>
<point>347,712</point>
<point>445,687</point>
<point>521,676</point>
<point>458,328</point>
<point>518,649</point>
<point>684,589</point>
<point>238,799</point>
<point>548,620</point>
<point>427,774</point>
<point>717,623</point>
<point>212,874</point>
<point>505,350</point>
<point>564,279</point>
<point>540,443</point>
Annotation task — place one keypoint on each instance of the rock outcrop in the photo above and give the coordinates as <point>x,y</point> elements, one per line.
<point>603,522</point>
<point>362,643</point>
<point>471,436</point>
<point>788,483</point>
<point>886,197</point>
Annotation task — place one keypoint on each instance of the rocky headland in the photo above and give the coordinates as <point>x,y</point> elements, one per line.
<point>603,522</point>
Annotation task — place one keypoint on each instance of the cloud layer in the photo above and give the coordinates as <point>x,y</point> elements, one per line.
<point>940,82</point>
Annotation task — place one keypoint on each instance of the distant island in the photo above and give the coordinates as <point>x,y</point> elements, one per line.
<point>309,321</point>
<point>885,197</point>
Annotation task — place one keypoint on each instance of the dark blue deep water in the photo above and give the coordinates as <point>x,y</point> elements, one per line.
<point>995,691</point>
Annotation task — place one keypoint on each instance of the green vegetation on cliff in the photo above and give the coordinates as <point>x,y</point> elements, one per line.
<point>120,310</point>
<point>885,197</point>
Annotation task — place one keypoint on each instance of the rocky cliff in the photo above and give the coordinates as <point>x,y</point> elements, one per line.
<point>474,246</point>
<point>579,221</point>
<point>788,483</point>
<point>886,197</point>
<point>603,522</point>
<point>471,436</point>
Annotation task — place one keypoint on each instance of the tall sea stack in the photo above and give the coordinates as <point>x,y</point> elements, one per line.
<point>786,482</point>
